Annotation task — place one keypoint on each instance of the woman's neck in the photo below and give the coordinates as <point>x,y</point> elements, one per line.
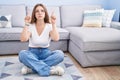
<point>41,23</point>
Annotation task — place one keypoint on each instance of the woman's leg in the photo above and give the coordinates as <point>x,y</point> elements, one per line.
<point>31,60</point>
<point>53,58</point>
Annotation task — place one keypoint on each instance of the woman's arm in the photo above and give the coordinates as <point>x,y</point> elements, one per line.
<point>25,35</point>
<point>54,33</point>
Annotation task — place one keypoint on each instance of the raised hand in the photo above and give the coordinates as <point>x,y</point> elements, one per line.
<point>53,18</point>
<point>27,19</point>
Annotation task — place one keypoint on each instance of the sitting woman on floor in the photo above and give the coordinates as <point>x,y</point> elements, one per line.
<point>39,30</point>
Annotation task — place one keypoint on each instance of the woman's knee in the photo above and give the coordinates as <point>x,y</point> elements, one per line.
<point>60,54</point>
<point>22,55</point>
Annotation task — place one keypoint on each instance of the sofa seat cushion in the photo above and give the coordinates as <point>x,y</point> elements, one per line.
<point>64,34</point>
<point>12,34</point>
<point>95,39</point>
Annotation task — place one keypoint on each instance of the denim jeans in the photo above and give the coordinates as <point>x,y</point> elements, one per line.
<point>41,59</point>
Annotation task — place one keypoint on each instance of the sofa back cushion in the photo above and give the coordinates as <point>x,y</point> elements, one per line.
<point>17,12</point>
<point>93,18</point>
<point>73,15</point>
<point>49,9</point>
<point>107,17</point>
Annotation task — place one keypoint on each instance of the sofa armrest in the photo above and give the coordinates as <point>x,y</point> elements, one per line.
<point>115,25</point>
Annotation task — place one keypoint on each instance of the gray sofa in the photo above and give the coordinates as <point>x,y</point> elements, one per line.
<point>87,47</point>
<point>10,37</point>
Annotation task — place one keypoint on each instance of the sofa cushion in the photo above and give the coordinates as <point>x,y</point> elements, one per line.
<point>95,39</point>
<point>93,18</point>
<point>107,17</point>
<point>64,34</point>
<point>5,21</point>
<point>13,34</point>
<point>17,11</point>
<point>50,9</point>
<point>73,15</point>
<point>10,34</point>
<point>115,25</point>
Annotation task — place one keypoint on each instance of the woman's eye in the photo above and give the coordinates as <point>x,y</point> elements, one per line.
<point>42,11</point>
<point>39,11</point>
<point>36,11</point>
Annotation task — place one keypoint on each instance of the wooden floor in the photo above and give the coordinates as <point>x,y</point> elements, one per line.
<point>95,73</point>
<point>98,73</point>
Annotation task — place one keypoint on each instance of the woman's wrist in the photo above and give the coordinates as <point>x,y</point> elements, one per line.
<point>27,24</point>
<point>54,24</point>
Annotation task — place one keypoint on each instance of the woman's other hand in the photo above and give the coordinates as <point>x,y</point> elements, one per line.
<point>54,33</point>
<point>53,18</point>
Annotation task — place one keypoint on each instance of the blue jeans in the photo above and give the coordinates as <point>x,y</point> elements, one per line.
<point>41,59</point>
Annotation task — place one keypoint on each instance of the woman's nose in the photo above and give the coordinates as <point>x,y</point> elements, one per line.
<point>39,12</point>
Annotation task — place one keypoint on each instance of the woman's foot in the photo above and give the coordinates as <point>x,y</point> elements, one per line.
<point>26,70</point>
<point>57,70</point>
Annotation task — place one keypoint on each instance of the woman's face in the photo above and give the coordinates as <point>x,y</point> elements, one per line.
<point>39,13</point>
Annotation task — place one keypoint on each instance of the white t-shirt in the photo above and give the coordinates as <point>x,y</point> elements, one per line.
<point>41,40</point>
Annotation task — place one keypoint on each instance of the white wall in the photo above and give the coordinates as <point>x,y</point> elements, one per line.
<point>115,4</point>
<point>107,4</point>
<point>54,2</point>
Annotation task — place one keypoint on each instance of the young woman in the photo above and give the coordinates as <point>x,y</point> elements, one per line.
<point>38,58</point>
